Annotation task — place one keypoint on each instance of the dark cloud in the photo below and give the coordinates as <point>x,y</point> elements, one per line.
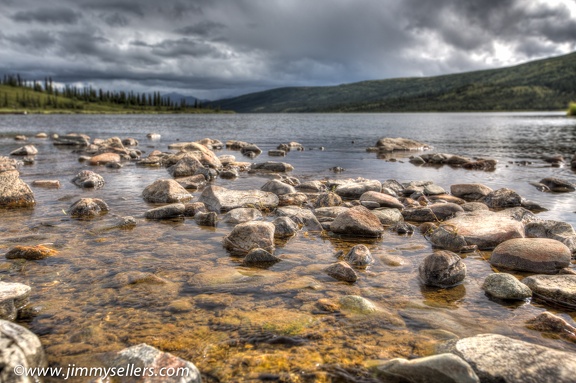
<point>48,16</point>
<point>217,48</point>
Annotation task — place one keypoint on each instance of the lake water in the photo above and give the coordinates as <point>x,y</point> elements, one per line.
<point>224,317</point>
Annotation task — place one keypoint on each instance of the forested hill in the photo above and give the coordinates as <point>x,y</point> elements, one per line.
<point>548,84</point>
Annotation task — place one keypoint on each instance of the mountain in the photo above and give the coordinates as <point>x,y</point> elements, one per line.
<point>548,84</point>
<point>177,97</point>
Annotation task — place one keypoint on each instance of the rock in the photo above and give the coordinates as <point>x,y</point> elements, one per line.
<point>342,272</point>
<point>388,216</point>
<point>41,135</point>
<point>417,160</point>
<point>20,350</point>
<point>230,172</point>
<point>573,162</point>
<point>72,139</point>
<point>432,213</point>
<point>355,189</point>
<point>327,199</point>
<point>165,191</point>
<point>359,256</point>
<point>88,208</point>
<point>242,214</point>
<point>27,150</point>
<point>446,237</point>
<point>486,229</point>
<point>555,289</point>
<point>88,179</point>
<point>31,253</point>
<point>357,304</point>
<point>7,164</point>
<point>186,167</point>
<point>284,227</point>
<point>312,187</point>
<point>166,212</point>
<point>441,368</point>
<point>194,182</point>
<point>146,358</point>
<point>14,192</point>
<point>211,143</point>
<point>271,167</point>
<point>400,144</point>
<point>433,189</point>
<point>236,145</point>
<point>128,278</point>
<point>537,255</point>
<point>259,256</point>
<point>550,323</point>
<point>383,200</point>
<point>276,153</point>
<point>130,141</point>
<point>193,208</point>
<point>220,199</point>
<point>123,223</point>
<point>206,156</point>
<point>206,219</point>
<point>442,269</point>
<point>300,216</point>
<point>153,136</point>
<point>292,199</point>
<point>532,206</point>
<point>13,297</point>
<point>560,231</point>
<point>325,213</point>
<point>558,185</point>
<point>251,150</point>
<point>104,158</point>
<point>446,198</point>
<point>357,221</point>
<point>474,206</point>
<point>226,159</point>
<point>505,286</point>
<point>497,358</point>
<point>403,228</point>
<point>502,198</point>
<point>278,187</point>
<point>470,192</point>
<point>250,235</point>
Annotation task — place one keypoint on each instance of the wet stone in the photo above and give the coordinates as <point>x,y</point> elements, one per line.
<point>388,216</point>
<point>284,227</point>
<point>27,150</point>
<point>558,185</point>
<point>470,192</point>
<point>506,286</point>
<point>13,191</point>
<point>556,289</point>
<point>560,231</point>
<point>242,214</point>
<point>537,255</point>
<point>250,235</point>
<point>13,297</point>
<point>30,253</point>
<point>359,256</point>
<point>220,199</point>
<point>88,208</point>
<point>342,272</point>
<point>502,199</point>
<point>259,256</point>
<point>357,304</point>
<point>357,221</point>
<point>88,179</point>
<point>327,199</point>
<point>166,212</point>
<point>206,218</point>
<point>383,200</point>
<point>442,269</point>
<point>19,348</point>
<point>552,324</point>
<point>165,191</point>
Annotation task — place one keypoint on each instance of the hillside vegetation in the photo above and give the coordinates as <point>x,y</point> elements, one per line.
<point>548,84</point>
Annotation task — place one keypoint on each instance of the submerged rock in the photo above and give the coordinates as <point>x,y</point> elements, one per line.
<point>250,235</point>
<point>165,191</point>
<point>556,289</point>
<point>537,255</point>
<point>259,256</point>
<point>442,269</point>
<point>242,214</point>
<point>88,208</point>
<point>552,324</point>
<point>31,253</point>
<point>342,272</point>
<point>219,199</point>
<point>14,192</point>
<point>206,219</point>
<point>88,179</point>
<point>505,286</point>
<point>357,304</point>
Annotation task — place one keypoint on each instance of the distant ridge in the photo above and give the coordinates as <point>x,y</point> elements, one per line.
<point>548,84</point>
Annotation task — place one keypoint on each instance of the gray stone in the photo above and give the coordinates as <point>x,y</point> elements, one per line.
<point>311,187</point>
<point>357,304</point>
<point>359,256</point>
<point>271,167</point>
<point>388,217</point>
<point>470,192</point>
<point>537,255</point>
<point>13,191</point>
<point>165,191</point>
<point>201,152</point>
<point>383,200</point>
<point>474,206</point>
<point>357,221</point>
<point>292,199</point>
<point>555,289</point>
<point>219,199</point>
<point>558,185</point>
<point>242,214</point>
<point>355,189</point>
<point>505,286</point>
<point>206,218</point>
<point>285,227</point>
<point>442,269</point>
<point>276,153</point>
<point>186,167</point>
<point>88,179</point>
<point>327,200</point>
<point>250,235</point>
<point>20,349</point>
<point>560,231</point>
<point>553,324</point>
<point>342,272</point>
<point>445,237</point>
<point>300,216</point>
<point>166,212</point>
<point>88,208</point>
<point>193,208</point>
<point>432,213</point>
<point>259,256</point>
<point>230,172</point>
<point>227,159</point>
<point>400,144</point>
<point>72,139</point>
<point>27,150</point>
<point>441,368</point>
<point>251,150</point>
<point>392,185</point>
<point>497,359</point>
<point>13,297</point>
<point>502,199</point>
<point>433,189</point>
<point>278,187</point>
<point>192,182</point>
<point>329,212</point>
<point>147,358</point>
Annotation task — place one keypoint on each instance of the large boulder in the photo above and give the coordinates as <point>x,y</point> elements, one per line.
<point>201,152</point>
<point>470,192</point>
<point>556,289</point>
<point>143,357</point>
<point>442,368</point>
<point>560,231</point>
<point>248,236</point>
<point>357,221</point>
<point>536,255</point>
<point>219,199</point>
<point>88,179</point>
<point>13,297</point>
<point>383,200</point>
<point>20,351</point>
<point>442,269</point>
<point>486,229</point>
<point>355,189</point>
<point>165,191</point>
<point>505,286</point>
<point>13,191</point>
<point>88,208</point>
<point>497,359</point>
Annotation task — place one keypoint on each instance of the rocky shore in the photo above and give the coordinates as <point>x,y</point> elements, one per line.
<point>531,258</point>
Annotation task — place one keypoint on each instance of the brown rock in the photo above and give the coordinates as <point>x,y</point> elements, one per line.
<point>31,253</point>
<point>104,158</point>
<point>470,192</point>
<point>357,221</point>
<point>14,192</point>
<point>537,255</point>
<point>384,200</point>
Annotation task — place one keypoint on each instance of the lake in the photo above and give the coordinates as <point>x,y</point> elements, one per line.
<point>224,317</point>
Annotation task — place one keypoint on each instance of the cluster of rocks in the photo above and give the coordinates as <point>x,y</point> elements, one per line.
<point>456,161</point>
<point>555,185</point>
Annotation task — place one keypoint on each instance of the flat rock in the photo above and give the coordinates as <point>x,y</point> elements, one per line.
<point>13,296</point>
<point>555,289</point>
<point>271,167</point>
<point>388,144</point>
<point>486,229</point>
<point>506,286</point>
<point>537,255</point>
<point>242,214</point>
<point>30,253</point>
<point>19,348</point>
<point>441,368</point>
<point>104,158</point>
<point>470,192</point>
<point>27,150</point>
<point>432,213</point>
<point>497,358</point>
<point>388,216</point>
<point>165,191</point>
<point>219,199</point>
<point>552,324</point>
<point>442,269</point>
<point>48,184</point>
<point>166,212</point>
<point>355,189</point>
<point>14,192</point>
<point>259,256</point>
<point>357,221</point>
<point>502,198</point>
<point>250,235</point>
<point>383,200</point>
<point>560,231</point>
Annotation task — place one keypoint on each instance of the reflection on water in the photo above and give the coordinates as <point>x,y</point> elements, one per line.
<point>172,285</point>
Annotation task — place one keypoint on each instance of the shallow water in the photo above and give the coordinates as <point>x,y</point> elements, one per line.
<point>238,323</point>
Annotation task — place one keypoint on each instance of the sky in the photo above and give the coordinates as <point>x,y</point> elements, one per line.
<point>214,49</point>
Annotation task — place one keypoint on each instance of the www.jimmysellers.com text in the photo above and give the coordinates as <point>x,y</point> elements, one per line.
<point>73,371</point>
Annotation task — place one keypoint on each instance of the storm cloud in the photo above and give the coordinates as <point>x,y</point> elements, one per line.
<point>220,48</point>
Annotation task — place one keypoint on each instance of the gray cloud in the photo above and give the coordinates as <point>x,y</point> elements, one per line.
<point>218,48</point>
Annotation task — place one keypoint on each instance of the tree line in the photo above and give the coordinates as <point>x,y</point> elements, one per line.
<point>129,99</point>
